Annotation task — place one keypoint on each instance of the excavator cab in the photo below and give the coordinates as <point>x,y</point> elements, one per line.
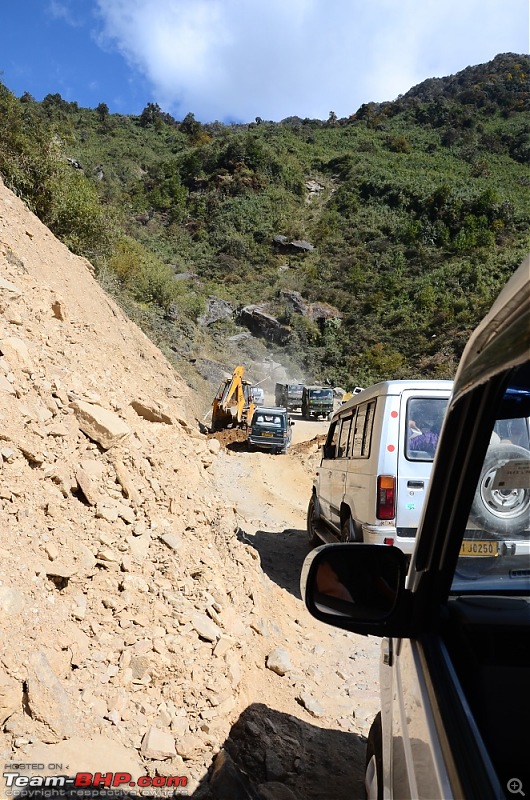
<point>233,404</point>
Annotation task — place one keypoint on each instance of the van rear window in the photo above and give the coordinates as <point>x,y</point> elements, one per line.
<point>267,420</point>
<point>424,420</point>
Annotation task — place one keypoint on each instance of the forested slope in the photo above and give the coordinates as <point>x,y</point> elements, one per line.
<point>407,217</point>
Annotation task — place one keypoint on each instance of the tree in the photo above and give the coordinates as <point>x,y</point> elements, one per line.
<point>151,116</point>
<point>54,102</point>
<point>194,130</point>
<point>103,112</point>
<point>190,126</point>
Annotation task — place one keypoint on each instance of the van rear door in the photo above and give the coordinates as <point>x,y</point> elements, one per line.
<point>421,415</point>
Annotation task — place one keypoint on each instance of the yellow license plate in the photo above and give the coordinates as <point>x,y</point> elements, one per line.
<point>265,433</point>
<point>478,548</point>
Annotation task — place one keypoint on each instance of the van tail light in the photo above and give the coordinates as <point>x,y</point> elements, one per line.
<point>386,495</point>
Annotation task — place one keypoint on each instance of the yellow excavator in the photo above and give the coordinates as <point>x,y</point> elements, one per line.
<point>233,405</point>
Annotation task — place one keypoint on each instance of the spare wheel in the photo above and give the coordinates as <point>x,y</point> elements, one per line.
<point>502,509</point>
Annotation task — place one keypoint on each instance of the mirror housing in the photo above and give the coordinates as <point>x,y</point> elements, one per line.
<point>358,587</point>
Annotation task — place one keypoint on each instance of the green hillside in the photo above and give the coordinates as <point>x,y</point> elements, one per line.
<point>377,242</point>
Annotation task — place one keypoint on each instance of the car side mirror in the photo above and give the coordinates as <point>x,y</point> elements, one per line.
<point>359,587</point>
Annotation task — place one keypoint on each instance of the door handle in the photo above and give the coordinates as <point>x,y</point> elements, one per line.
<point>415,485</point>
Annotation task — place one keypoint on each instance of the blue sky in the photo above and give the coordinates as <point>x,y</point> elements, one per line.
<point>234,60</point>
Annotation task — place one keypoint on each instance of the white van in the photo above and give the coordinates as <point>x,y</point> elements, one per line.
<point>376,464</point>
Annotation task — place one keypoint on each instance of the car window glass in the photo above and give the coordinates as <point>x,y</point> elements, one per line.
<point>332,439</point>
<point>268,419</point>
<point>424,420</point>
<point>368,427</point>
<point>495,551</point>
<point>362,431</point>
<point>342,449</point>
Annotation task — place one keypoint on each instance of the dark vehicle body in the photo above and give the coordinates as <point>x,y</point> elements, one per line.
<point>289,395</point>
<point>270,429</point>
<point>317,401</point>
<point>455,657</point>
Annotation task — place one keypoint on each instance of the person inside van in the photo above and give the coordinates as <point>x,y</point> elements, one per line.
<point>428,439</point>
<point>424,421</point>
<point>413,429</point>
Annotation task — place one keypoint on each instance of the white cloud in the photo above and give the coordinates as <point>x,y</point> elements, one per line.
<point>238,59</point>
<point>62,10</point>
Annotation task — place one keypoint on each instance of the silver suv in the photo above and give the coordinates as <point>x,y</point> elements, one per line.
<point>455,658</point>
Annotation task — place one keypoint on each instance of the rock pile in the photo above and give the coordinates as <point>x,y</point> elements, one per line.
<point>137,622</point>
<point>122,586</point>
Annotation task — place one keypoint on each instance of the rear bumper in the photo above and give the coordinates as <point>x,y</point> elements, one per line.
<point>377,534</point>
<point>268,443</point>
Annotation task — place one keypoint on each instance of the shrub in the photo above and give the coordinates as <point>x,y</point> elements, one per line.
<point>146,278</point>
<point>76,215</point>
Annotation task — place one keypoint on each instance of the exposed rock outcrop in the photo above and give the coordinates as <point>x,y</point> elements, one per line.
<point>216,311</point>
<point>282,243</point>
<point>314,311</point>
<point>263,324</point>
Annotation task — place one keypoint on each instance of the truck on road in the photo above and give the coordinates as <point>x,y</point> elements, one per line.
<point>317,401</point>
<point>289,395</point>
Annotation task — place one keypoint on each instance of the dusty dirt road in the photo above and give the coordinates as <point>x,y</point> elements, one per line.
<point>337,671</point>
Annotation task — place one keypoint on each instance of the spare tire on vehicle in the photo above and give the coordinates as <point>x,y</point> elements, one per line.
<point>505,511</point>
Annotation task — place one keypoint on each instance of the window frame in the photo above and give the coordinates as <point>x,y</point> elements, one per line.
<point>360,444</point>
<point>343,451</point>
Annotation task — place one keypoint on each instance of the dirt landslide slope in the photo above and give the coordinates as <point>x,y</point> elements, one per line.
<point>134,622</point>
